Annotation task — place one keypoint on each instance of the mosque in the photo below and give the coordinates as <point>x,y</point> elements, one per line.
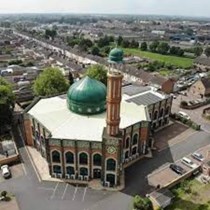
<point>93,131</point>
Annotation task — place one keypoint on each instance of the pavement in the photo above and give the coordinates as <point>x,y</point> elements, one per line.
<point>11,205</point>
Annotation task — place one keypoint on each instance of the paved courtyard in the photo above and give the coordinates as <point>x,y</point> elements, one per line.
<point>172,134</point>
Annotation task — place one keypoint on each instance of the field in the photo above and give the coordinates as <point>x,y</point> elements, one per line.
<point>179,62</point>
<point>191,196</point>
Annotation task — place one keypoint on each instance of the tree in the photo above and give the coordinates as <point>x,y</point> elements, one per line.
<point>50,82</point>
<point>163,48</point>
<point>70,78</point>
<point>95,51</point>
<point>153,46</point>
<point>140,203</point>
<point>6,105</point>
<point>143,46</point>
<point>125,43</point>
<point>102,42</point>
<point>97,72</point>
<point>198,51</point>
<point>4,194</point>
<point>207,51</point>
<point>119,40</point>
<point>134,44</point>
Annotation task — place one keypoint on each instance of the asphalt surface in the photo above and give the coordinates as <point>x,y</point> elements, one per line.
<point>33,195</point>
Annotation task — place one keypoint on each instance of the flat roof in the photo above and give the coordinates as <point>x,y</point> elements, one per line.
<point>64,124</point>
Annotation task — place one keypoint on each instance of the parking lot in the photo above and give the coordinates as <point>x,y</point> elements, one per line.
<point>165,176</point>
<point>195,114</point>
<point>17,170</point>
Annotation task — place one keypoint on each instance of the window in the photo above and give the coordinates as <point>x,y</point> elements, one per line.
<point>127,155</point>
<point>97,160</point>
<point>83,158</point>
<point>111,165</point>
<point>155,115</point>
<point>70,170</point>
<point>134,150</point>
<point>127,142</point>
<point>69,157</point>
<point>135,139</point>
<point>167,110</point>
<point>161,113</point>
<point>37,135</point>
<point>56,169</point>
<point>42,140</point>
<point>83,171</point>
<point>56,157</point>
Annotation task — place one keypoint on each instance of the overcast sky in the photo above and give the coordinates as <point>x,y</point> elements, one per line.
<point>161,7</point>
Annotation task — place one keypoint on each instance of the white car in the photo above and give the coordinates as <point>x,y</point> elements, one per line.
<point>198,156</point>
<point>189,163</point>
<point>5,171</point>
<point>184,115</point>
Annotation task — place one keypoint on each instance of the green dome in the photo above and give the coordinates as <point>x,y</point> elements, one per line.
<point>116,56</point>
<point>87,96</point>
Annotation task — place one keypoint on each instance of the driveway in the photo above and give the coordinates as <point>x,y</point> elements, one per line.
<point>195,114</point>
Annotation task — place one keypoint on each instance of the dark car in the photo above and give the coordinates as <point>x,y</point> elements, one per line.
<point>177,169</point>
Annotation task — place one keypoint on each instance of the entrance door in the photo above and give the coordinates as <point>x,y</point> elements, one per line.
<point>96,173</point>
<point>111,179</point>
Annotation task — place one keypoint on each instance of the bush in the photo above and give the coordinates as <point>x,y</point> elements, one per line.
<point>140,203</point>
<point>183,104</point>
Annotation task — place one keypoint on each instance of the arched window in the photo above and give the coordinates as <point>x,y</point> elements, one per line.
<point>83,158</point>
<point>155,115</point>
<point>37,135</point>
<point>97,160</point>
<point>69,157</point>
<point>134,150</point>
<point>127,142</point>
<point>127,155</point>
<point>110,165</point>
<point>167,110</point>
<point>56,169</point>
<point>135,139</point>
<point>56,157</point>
<point>42,140</point>
<point>70,170</point>
<point>83,171</point>
<point>161,113</point>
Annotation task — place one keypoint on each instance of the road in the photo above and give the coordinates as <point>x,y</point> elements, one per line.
<point>33,195</point>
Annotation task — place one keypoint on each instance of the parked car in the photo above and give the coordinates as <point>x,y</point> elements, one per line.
<point>5,171</point>
<point>189,163</point>
<point>198,156</point>
<point>176,168</point>
<point>184,115</point>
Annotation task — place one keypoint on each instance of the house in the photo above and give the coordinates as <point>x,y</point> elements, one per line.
<point>201,87</point>
<point>203,63</point>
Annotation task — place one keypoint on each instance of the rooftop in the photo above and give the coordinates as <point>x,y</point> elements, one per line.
<point>64,124</point>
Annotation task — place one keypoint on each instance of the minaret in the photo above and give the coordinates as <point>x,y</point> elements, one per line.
<point>114,92</point>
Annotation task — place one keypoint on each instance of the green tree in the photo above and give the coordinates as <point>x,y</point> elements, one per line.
<point>119,40</point>
<point>4,194</point>
<point>140,203</point>
<point>153,46</point>
<point>134,44</point>
<point>125,43</point>
<point>97,72</point>
<point>207,51</point>
<point>198,51</point>
<point>50,82</point>
<point>163,48</point>
<point>143,46</point>
<point>95,50</point>
<point>6,104</point>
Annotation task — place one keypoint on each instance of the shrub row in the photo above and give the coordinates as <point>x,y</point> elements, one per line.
<point>189,123</point>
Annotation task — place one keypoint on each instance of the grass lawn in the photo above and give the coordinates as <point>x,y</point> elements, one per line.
<point>180,62</point>
<point>197,198</point>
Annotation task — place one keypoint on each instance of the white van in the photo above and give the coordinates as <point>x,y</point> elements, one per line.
<point>5,171</point>
<point>189,163</point>
<point>184,115</point>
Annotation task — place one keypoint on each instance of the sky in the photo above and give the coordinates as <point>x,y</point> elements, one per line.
<point>141,7</point>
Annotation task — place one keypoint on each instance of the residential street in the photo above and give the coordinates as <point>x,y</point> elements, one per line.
<point>33,195</point>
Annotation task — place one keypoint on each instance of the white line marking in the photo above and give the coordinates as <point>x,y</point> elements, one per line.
<point>75,191</point>
<point>83,197</point>
<point>24,168</point>
<point>64,191</point>
<point>52,196</point>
